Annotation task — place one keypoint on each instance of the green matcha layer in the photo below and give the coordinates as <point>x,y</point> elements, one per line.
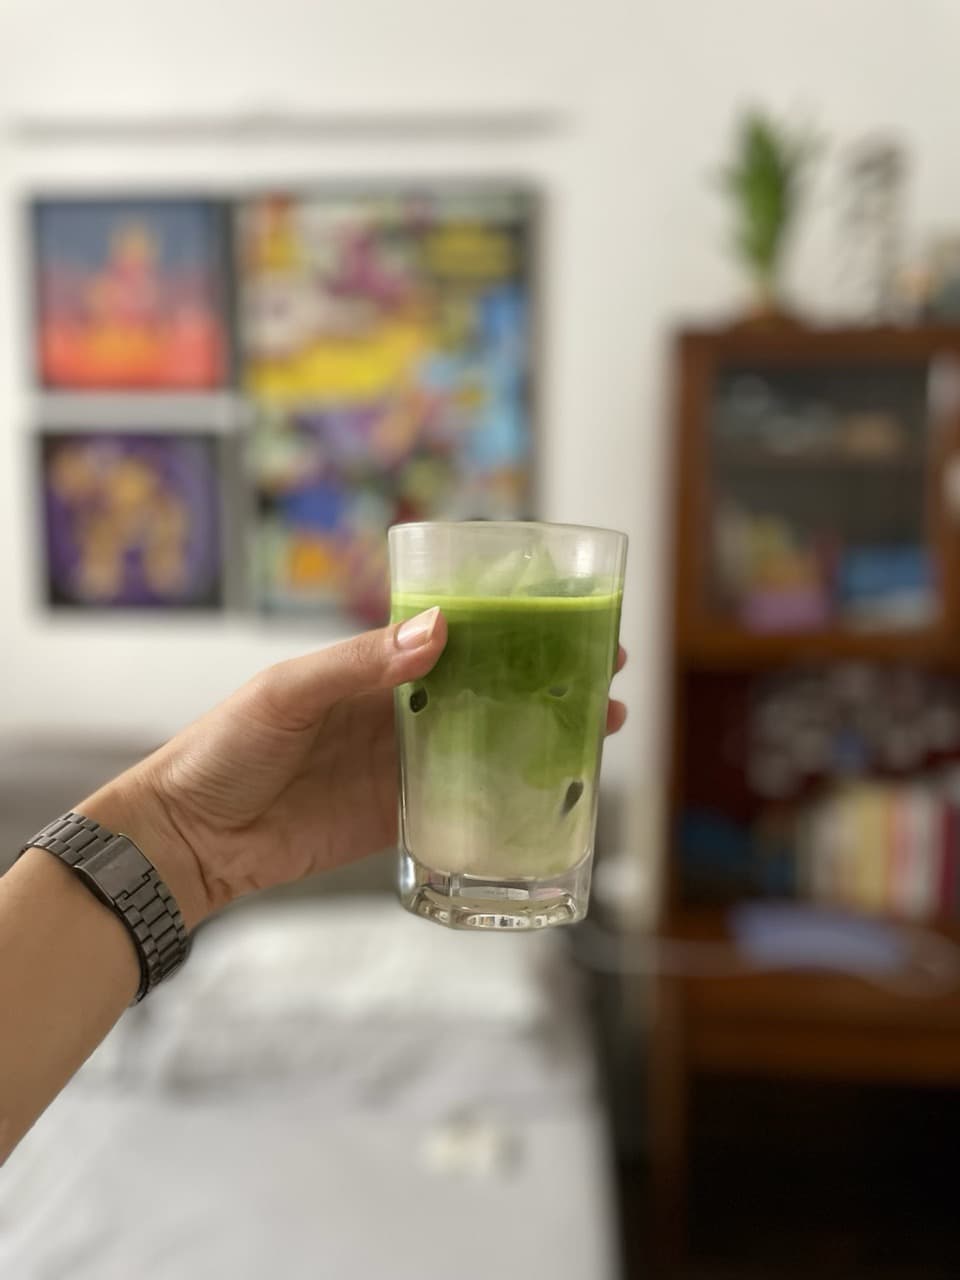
<point>501,741</point>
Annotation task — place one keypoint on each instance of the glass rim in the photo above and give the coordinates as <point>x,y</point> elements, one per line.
<point>506,524</point>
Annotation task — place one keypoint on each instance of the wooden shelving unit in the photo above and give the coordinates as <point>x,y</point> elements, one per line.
<point>795,1024</point>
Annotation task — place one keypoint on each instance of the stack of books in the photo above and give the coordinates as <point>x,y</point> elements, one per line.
<point>884,848</point>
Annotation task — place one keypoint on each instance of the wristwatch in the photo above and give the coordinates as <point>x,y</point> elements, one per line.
<point>126,881</point>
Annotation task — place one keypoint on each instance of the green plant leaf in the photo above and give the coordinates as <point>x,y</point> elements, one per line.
<point>763,184</point>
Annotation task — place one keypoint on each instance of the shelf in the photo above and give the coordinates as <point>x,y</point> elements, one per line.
<point>807,1024</point>
<point>709,921</point>
<point>750,459</point>
<point>799,1022</point>
<point>802,345</point>
<point>729,646</point>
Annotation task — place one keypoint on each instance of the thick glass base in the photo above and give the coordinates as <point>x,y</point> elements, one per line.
<point>481,902</point>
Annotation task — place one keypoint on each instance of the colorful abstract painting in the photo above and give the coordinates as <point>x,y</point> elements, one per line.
<point>131,519</point>
<point>130,294</point>
<point>386,341</point>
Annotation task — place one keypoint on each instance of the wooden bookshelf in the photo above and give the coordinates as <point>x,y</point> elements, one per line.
<point>795,1024</point>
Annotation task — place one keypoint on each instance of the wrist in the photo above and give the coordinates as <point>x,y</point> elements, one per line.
<point>131,806</point>
<point>74,914</point>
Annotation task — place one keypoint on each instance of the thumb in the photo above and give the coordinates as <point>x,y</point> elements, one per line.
<point>299,691</point>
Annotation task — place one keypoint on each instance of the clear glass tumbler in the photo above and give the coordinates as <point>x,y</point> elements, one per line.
<point>500,744</point>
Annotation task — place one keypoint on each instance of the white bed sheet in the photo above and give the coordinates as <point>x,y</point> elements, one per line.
<point>339,1129</point>
<point>290,1189</point>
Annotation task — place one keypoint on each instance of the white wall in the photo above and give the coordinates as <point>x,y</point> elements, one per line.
<point>642,95</point>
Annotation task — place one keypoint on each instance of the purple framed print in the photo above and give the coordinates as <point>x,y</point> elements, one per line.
<point>131,519</point>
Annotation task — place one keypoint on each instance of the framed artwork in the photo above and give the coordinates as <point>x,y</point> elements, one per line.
<point>131,519</point>
<point>131,294</point>
<point>322,510</point>
<point>386,342</point>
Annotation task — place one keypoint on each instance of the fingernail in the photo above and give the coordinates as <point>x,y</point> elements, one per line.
<point>416,631</point>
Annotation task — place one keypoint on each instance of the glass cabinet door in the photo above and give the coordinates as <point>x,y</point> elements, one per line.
<point>822,512</point>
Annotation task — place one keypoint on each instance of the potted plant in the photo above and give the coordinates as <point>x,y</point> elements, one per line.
<point>764,184</point>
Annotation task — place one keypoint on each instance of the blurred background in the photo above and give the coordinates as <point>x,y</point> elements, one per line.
<point>274,277</point>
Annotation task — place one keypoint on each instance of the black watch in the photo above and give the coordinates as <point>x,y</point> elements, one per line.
<point>126,881</point>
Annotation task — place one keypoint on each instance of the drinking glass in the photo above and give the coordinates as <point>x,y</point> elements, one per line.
<point>500,744</point>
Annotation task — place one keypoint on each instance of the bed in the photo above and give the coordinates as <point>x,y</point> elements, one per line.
<point>331,1088</point>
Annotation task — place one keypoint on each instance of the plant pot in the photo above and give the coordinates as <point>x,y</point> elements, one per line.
<point>766,310</point>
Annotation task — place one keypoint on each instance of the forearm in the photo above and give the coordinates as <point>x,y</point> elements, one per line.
<point>67,972</point>
<point>294,773</point>
<point>68,967</point>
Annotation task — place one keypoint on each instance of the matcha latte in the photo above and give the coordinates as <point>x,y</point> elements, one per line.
<point>501,741</point>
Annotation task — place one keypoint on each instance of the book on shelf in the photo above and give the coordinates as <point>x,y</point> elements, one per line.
<point>871,846</point>
<point>882,847</point>
<point>949,834</point>
<point>918,899</point>
<point>879,847</point>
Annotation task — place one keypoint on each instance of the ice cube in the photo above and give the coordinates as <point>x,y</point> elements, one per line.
<point>499,577</point>
<point>521,571</point>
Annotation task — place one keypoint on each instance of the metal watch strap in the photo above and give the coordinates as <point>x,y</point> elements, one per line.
<point>125,880</point>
